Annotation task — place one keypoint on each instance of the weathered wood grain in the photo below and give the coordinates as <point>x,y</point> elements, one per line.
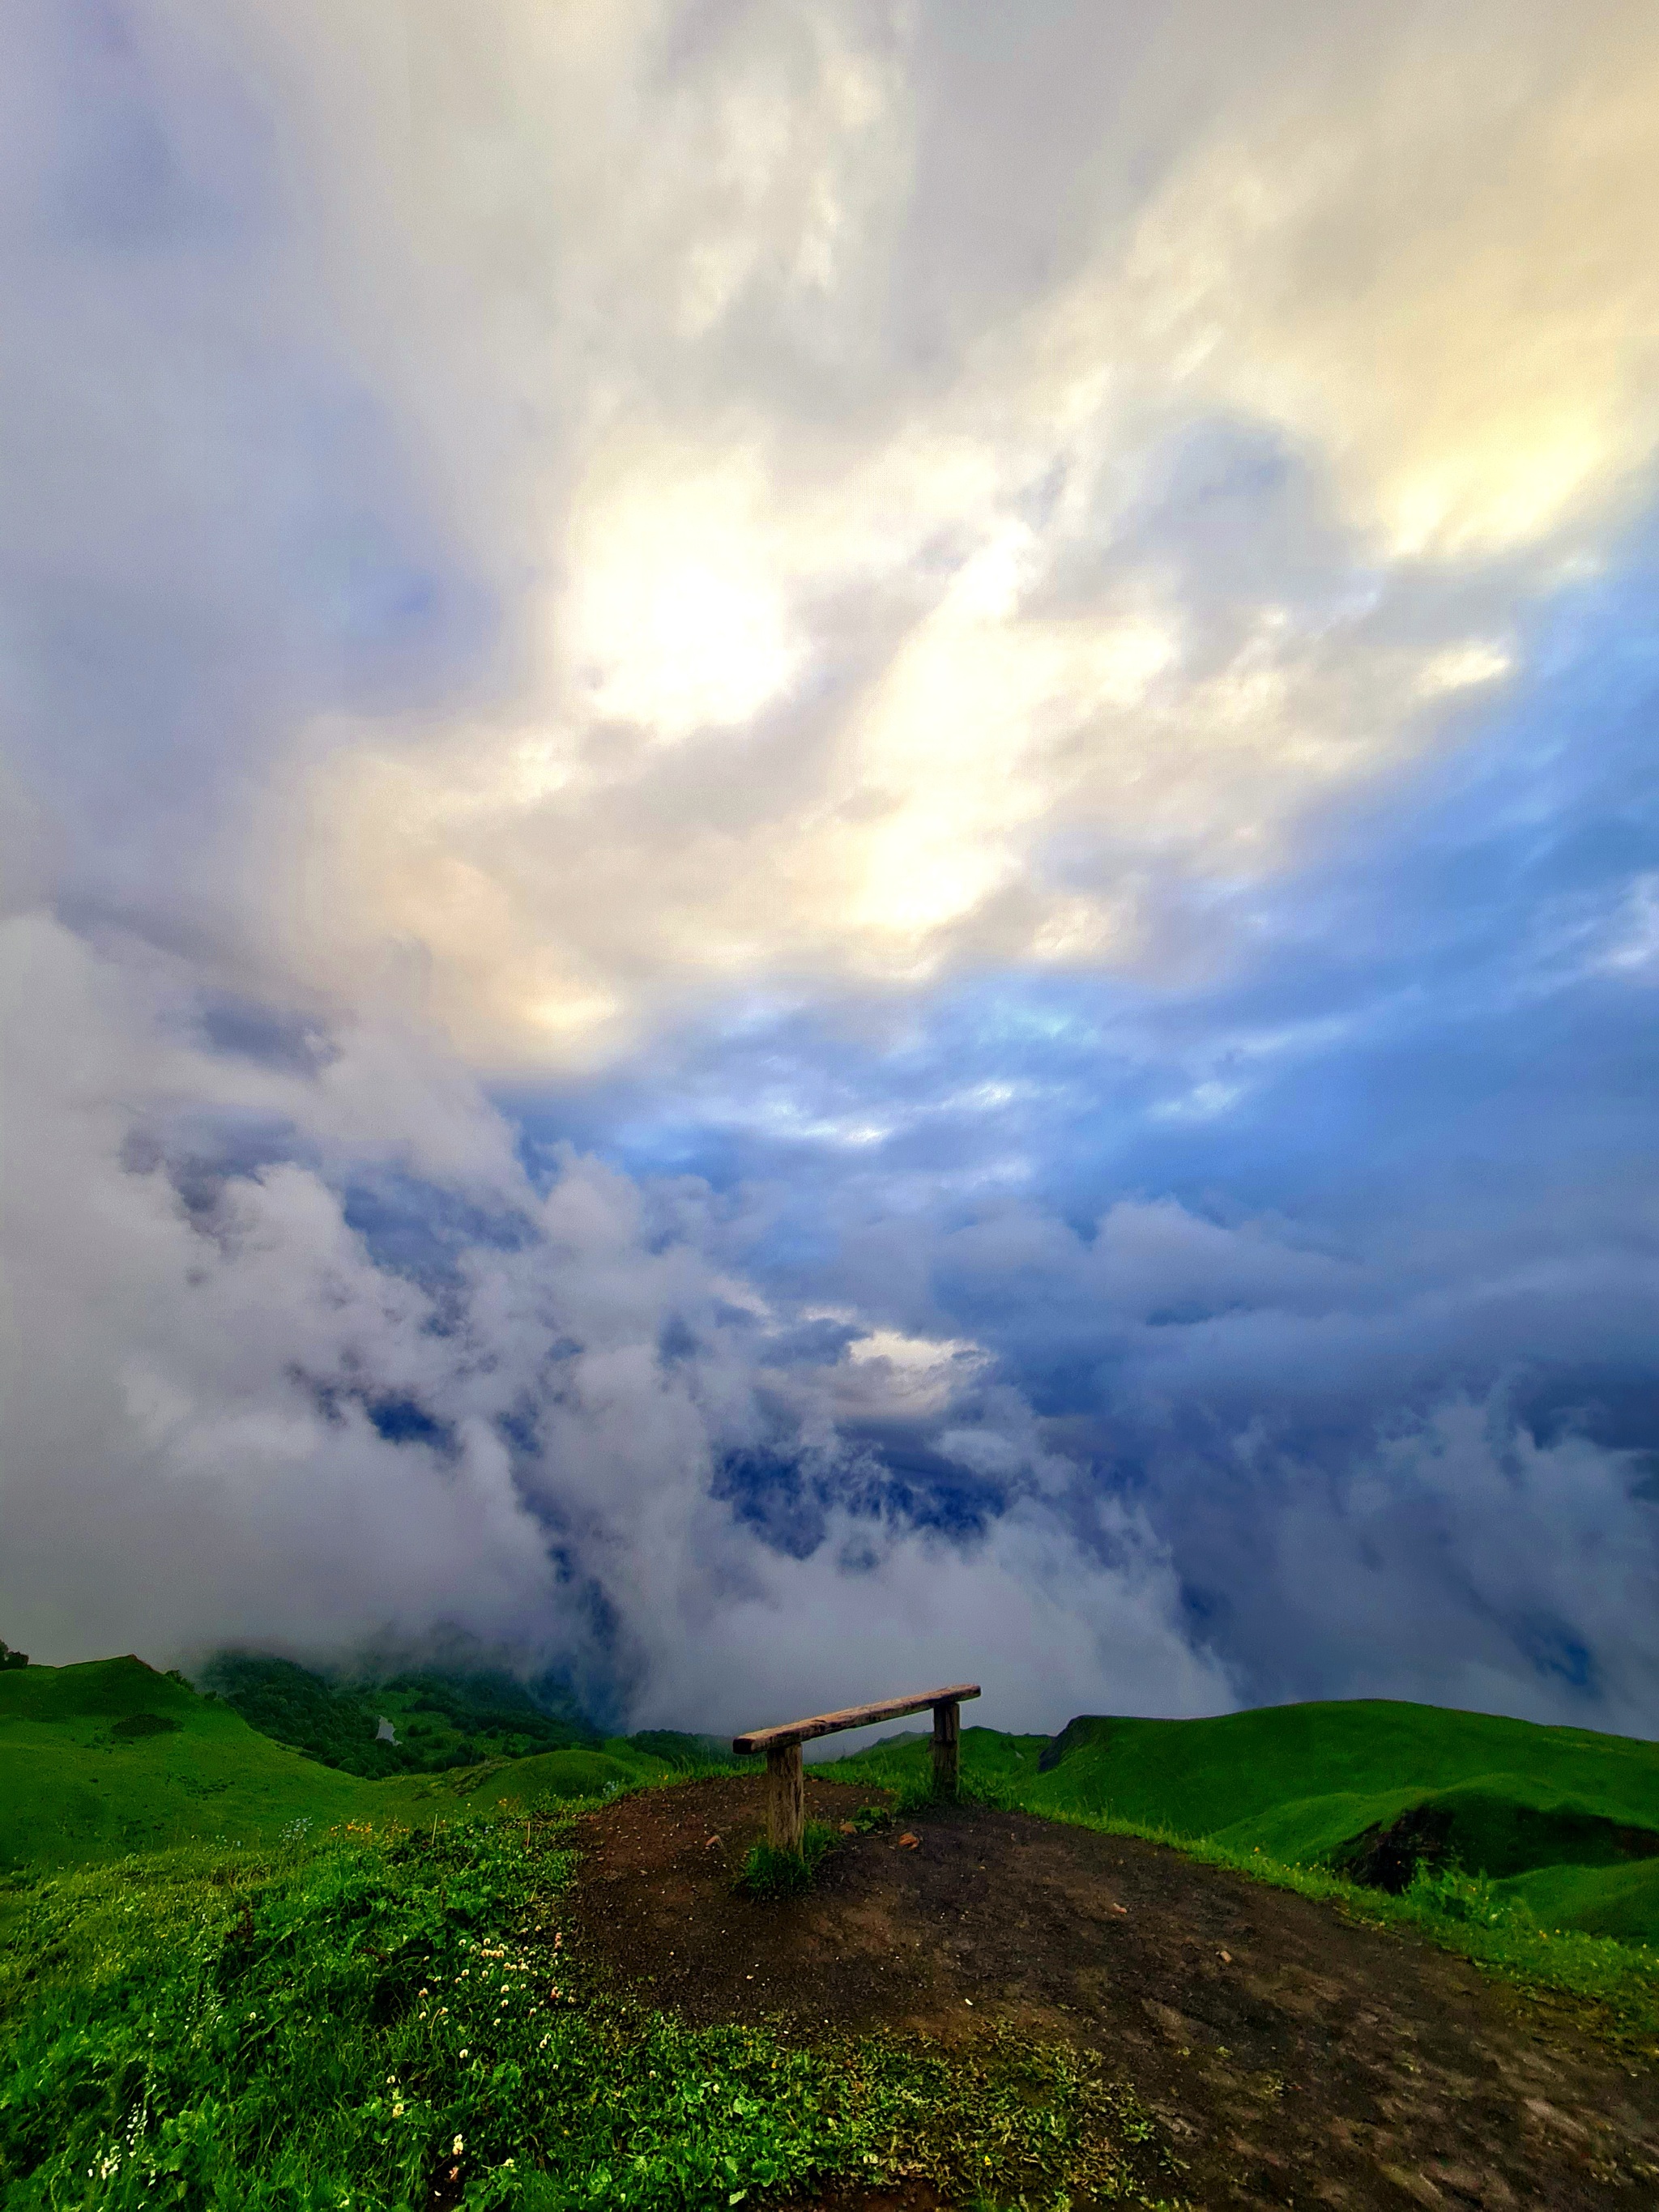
<point>947,1747</point>
<point>786,1797</point>
<point>886,1709</point>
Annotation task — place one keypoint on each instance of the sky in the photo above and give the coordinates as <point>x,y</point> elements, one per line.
<point>831,855</point>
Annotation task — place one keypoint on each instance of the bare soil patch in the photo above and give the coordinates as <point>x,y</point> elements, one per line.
<point>1293,2056</point>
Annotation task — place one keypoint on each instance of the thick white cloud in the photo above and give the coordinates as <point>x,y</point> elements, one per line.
<point>193,1361</point>
<point>1356,1506</point>
<point>1464,1562</point>
<point>842,659</point>
<point>526,524</point>
<point>931,511</point>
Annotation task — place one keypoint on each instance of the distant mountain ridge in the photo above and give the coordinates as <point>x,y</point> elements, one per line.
<point>442,1717</point>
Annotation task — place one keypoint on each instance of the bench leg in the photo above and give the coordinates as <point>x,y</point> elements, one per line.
<point>947,1747</point>
<point>785,1798</point>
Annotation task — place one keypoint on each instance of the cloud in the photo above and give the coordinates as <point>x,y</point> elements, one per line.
<point>1463,1544</point>
<point>869,672</point>
<point>994,670</point>
<point>1430,269</point>
<point>1338,1265</point>
<point>228,1421</point>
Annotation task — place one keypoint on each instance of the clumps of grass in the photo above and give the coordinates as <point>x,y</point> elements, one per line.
<point>1467,1913</point>
<point>381,2015</point>
<point>914,1794</point>
<point>768,1871</point>
<point>907,1784</point>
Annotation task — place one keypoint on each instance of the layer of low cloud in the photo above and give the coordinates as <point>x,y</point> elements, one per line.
<point>1341,1269</point>
<point>881,616</point>
<point>229,1422</point>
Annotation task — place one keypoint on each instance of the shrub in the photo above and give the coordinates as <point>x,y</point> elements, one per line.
<point>137,1724</point>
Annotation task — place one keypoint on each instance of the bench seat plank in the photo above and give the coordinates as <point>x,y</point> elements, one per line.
<point>888,1709</point>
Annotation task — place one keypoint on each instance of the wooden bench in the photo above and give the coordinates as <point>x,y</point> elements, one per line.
<point>785,1782</point>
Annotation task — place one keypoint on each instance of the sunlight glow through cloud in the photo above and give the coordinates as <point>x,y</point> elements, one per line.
<point>928,648</point>
<point>675,621</point>
<point>836,812</point>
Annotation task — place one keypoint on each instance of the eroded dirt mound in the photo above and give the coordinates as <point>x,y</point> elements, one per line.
<point>1293,2056</point>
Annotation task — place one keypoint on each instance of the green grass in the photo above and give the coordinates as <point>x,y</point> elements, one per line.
<point>1340,1765</point>
<point>533,1783</point>
<point>769,1872</point>
<point>72,1788</point>
<point>76,1784</point>
<point>994,1766</point>
<point>1303,1778</point>
<point>440,1718</point>
<point>231,1976</point>
<point>342,2021</point>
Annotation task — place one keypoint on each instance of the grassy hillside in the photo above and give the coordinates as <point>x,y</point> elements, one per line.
<point>101,1759</point>
<point>391,2019</point>
<point>1565,1818</point>
<point>272,1983</point>
<point>230,1974</point>
<point>1244,1772</point>
<point>110,1757</point>
<point>439,1717</point>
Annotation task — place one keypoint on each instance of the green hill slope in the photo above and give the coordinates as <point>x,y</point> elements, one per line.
<point>109,1757</point>
<point>1206,1776</point>
<point>440,1717</point>
<point>1564,1817</point>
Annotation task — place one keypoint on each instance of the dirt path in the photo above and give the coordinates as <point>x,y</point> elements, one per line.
<point>1293,2056</point>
